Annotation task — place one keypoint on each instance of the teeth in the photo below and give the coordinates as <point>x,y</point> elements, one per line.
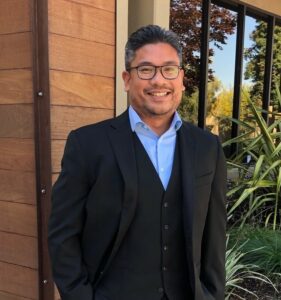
<point>159,94</point>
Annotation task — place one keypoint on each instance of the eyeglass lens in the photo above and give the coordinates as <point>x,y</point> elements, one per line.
<point>148,72</point>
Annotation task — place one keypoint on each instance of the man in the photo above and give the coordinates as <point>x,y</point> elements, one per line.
<point>138,211</point>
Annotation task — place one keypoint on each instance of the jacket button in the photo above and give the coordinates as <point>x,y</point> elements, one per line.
<point>160,290</point>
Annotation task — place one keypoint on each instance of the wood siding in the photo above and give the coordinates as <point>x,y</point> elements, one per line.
<point>18,217</point>
<point>82,68</point>
<point>272,6</point>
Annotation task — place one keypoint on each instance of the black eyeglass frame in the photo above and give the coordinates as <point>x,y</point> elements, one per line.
<point>155,71</point>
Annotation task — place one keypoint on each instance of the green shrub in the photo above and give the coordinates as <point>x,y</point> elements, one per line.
<point>256,192</point>
<point>237,271</point>
<point>263,248</point>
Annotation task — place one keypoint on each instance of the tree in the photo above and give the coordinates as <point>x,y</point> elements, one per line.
<point>255,66</point>
<point>185,20</point>
<point>189,105</point>
<point>221,111</point>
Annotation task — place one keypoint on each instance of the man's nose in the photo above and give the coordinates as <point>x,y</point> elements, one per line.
<point>158,77</point>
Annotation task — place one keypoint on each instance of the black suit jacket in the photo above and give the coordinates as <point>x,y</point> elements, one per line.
<point>94,202</point>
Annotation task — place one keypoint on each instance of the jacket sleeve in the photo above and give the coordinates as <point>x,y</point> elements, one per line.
<point>66,223</point>
<point>214,236</point>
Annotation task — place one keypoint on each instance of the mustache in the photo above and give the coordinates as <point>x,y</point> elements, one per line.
<point>158,89</point>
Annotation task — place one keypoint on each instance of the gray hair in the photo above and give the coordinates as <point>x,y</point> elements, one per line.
<point>150,34</point>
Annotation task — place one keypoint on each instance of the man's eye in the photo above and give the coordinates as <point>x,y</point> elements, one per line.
<point>146,70</point>
<point>169,69</point>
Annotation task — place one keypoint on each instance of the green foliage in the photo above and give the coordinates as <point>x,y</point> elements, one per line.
<point>255,67</point>
<point>263,248</point>
<point>257,188</point>
<point>188,108</point>
<point>238,271</point>
<point>221,110</point>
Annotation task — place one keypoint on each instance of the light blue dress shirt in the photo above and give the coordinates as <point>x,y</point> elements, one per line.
<point>160,149</point>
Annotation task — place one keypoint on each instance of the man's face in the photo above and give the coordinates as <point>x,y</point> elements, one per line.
<point>157,96</point>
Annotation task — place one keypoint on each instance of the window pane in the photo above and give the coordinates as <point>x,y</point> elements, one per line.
<point>254,66</point>
<point>221,68</point>
<point>275,103</point>
<point>185,20</point>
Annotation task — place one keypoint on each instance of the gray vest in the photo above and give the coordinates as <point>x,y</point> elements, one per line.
<point>151,261</point>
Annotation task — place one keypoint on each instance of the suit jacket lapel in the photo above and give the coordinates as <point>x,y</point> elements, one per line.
<point>120,136</point>
<point>187,152</point>
<point>187,155</point>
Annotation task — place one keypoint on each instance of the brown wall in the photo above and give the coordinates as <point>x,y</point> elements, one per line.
<point>270,6</point>
<point>18,218</point>
<point>82,68</point>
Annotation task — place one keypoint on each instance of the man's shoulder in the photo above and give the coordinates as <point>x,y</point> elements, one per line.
<point>93,128</point>
<point>99,128</point>
<point>198,133</point>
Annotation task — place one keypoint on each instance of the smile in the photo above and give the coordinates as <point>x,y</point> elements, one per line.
<point>159,94</point>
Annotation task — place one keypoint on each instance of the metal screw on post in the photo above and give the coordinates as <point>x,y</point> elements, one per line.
<point>43,191</point>
<point>45,281</point>
<point>40,94</point>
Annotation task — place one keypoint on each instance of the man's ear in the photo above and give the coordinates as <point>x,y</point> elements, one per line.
<point>126,78</point>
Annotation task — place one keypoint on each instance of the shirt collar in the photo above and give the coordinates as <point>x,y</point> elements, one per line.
<point>135,120</point>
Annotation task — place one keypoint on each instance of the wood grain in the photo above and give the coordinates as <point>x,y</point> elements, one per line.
<point>80,21</point>
<point>16,87</point>
<point>18,250</point>
<point>17,186</point>
<point>6,296</point>
<point>17,154</point>
<point>64,119</point>
<point>106,5</point>
<point>18,218</point>
<point>80,56</point>
<point>272,6</point>
<point>57,152</point>
<point>18,280</point>
<point>74,89</point>
<point>16,120</point>
<point>15,51</point>
<point>15,16</point>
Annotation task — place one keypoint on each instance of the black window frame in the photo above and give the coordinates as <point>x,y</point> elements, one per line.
<point>242,11</point>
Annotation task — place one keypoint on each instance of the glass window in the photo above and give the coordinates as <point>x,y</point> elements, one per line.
<point>221,69</point>
<point>185,20</point>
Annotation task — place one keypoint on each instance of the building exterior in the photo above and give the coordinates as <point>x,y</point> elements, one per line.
<point>60,67</point>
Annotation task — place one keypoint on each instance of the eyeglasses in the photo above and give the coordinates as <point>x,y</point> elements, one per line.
<point>148,72</point>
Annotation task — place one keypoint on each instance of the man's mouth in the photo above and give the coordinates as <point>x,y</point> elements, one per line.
<point>158,94</point>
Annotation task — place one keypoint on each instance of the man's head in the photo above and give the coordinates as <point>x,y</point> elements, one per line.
<point>153,77</point>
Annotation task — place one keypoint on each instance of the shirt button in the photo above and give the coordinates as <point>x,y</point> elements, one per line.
<point>166,227</point>
<point>165,204</point>
<point>162,169</point>
<point>160,290</point>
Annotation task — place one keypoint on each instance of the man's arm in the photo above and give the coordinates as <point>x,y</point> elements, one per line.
<point>66,224</point>
<point>214,236</point>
